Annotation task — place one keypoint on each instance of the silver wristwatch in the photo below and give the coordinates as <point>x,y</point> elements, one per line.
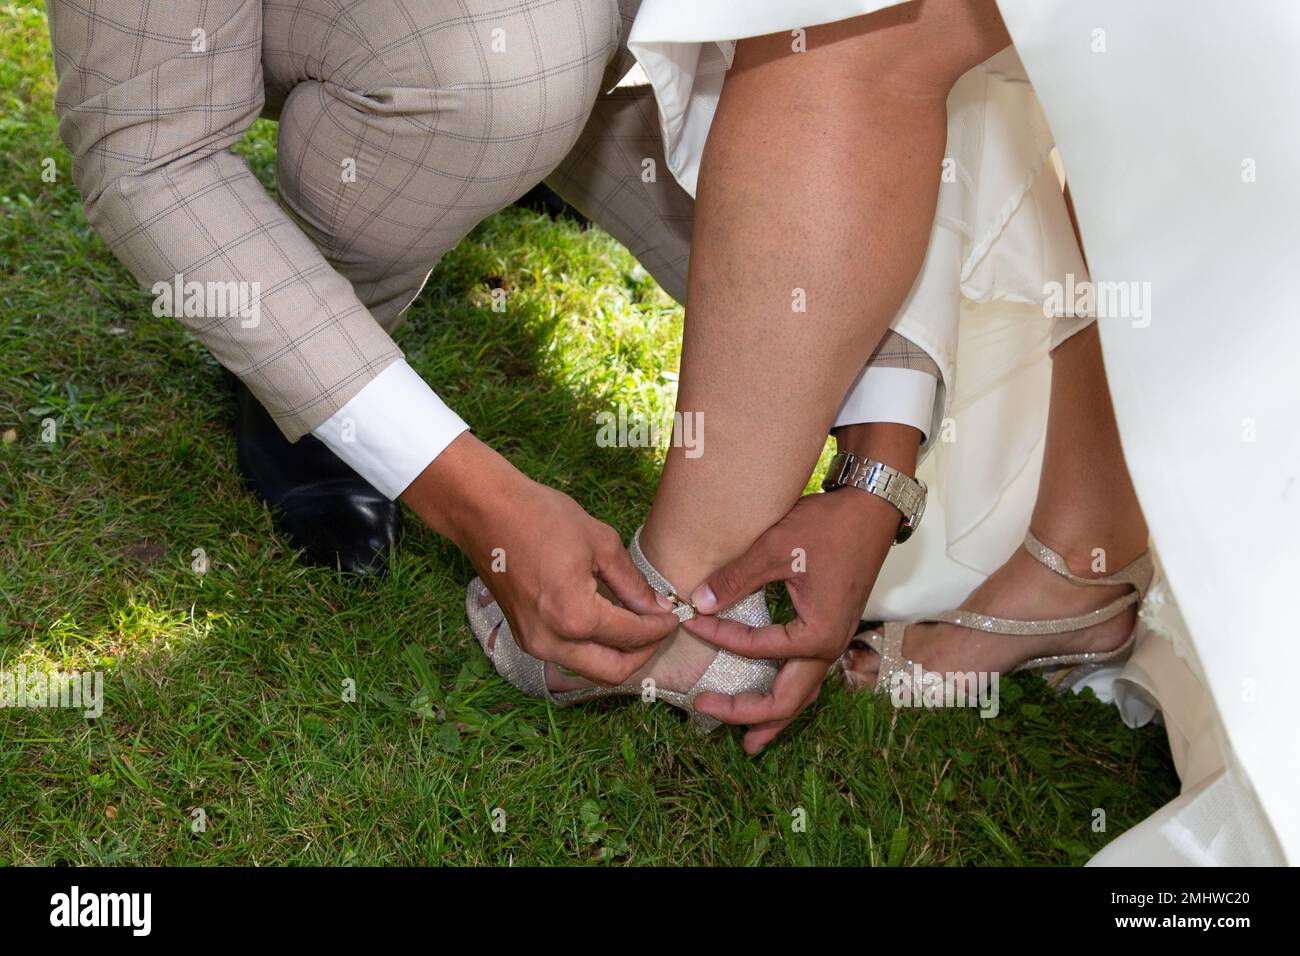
<point>904,493</point>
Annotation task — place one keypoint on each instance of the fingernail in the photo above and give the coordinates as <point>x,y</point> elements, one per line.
<point>704,599</point>
<point>664,603</point>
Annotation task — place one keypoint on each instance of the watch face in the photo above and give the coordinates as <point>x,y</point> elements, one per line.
<point>835,473</point>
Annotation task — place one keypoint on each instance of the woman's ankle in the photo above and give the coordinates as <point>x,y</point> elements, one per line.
<point>681,559</point>
<point>1093,552</point>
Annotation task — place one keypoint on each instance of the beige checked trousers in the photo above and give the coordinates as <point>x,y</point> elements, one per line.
<point>403,124</point>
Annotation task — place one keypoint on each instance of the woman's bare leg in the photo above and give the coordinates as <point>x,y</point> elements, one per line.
<point>819,182</point>
<point>818,186</point>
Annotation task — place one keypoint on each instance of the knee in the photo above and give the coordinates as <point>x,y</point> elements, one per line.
<point>952,37</point>
<point>525,75</point>
<point>917,50</point>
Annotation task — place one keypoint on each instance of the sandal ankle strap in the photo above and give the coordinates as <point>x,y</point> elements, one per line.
<point>1137,573</point>
<point>751,610</point>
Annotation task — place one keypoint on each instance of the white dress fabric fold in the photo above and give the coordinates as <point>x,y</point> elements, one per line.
<point>1216,819</point>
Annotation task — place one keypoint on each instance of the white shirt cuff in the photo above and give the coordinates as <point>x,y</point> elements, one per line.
<point>884,394</point>
<point>390,430</point>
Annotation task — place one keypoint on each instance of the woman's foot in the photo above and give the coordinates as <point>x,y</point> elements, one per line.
<point>1023,589</point>
<point>681,667</point>
<point>678,665</point>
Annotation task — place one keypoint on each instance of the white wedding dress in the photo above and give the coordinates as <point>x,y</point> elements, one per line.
<point>1138,136</point>
<point>1177,123</point>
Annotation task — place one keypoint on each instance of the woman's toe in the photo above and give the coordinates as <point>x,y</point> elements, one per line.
<point>485,617</point>
<point>860,664</point>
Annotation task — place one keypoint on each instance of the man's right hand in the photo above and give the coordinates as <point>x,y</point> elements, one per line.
<point>542,557</point>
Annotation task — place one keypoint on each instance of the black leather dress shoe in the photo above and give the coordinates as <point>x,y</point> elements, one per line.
<point>331,513</point>
<point>541,198</point>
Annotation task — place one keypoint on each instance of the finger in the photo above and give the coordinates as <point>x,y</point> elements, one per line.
<point>618,627</point>
<point>759,736</point>
<point>751,707</point>
<point>795,683</point>
<point>773,642</point>
<point>629,585</point>
<point>763,562</point>
<point>595,662</point>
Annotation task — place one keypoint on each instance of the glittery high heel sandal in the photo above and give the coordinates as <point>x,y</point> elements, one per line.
<point>1063,671</point>
<point>728,673</point>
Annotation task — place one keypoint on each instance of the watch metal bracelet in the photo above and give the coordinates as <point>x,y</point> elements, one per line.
<point>876,478</point>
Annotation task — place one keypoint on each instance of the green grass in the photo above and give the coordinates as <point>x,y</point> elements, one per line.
<point>224,690</point>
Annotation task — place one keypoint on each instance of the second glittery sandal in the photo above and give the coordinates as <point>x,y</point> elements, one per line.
<point>1063,671</point>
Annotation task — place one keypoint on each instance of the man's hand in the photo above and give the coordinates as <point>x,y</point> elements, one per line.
<point>828,550</point>
<point>542,557</point>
